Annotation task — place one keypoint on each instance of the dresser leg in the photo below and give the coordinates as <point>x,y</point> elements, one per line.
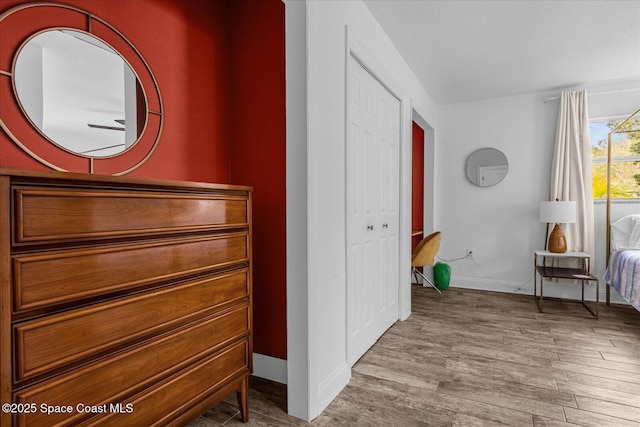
<point>243,400</point>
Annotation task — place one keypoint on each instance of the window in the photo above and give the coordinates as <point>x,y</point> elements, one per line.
<point>625,160</point>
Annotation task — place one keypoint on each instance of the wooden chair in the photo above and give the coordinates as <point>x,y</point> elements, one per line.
<point>424,255</point>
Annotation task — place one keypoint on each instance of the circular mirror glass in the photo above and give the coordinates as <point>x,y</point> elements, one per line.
<point>80,93</point>
<point>486,167</point>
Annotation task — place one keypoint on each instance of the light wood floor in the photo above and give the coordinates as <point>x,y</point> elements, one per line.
<point>480,358</point>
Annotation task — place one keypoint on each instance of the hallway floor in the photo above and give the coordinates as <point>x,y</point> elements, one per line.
<point>480,358</point>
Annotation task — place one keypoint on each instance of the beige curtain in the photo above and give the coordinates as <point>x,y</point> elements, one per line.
<point>571,169</point>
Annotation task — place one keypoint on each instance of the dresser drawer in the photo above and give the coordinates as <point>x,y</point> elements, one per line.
<point>180,392</point>
<point>62,339</point>
<point>55,214</point>
<point>121,376</point>
<point>44,280</point>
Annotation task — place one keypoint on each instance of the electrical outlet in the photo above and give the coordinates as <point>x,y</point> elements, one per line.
<point>471,253</point>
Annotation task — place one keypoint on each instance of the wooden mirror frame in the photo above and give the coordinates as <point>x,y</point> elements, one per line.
<point>18,25</point>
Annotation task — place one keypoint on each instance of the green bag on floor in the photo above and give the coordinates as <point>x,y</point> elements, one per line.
<point>441,275</point>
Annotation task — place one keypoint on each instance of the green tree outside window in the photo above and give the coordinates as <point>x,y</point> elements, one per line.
<point>625,165</point>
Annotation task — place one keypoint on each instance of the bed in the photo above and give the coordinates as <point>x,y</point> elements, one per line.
<point>623,269</point>
<point>623,235</point>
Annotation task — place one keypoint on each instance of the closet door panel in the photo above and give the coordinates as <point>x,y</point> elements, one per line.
<point>373,209</point>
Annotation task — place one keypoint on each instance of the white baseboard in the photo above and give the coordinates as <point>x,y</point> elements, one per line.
<point>331,387</point>
<point>551,289</point>
<point>270,368</point>
<point>491,285</point>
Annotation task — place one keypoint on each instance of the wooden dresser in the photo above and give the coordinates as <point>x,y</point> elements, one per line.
<point>125,302</point>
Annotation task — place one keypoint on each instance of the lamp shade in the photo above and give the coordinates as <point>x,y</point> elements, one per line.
<point>559,212</point>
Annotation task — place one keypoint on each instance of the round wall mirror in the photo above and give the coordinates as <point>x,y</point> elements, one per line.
<point>83,97</point>
<point>80,93</point>
<point>486,167</point>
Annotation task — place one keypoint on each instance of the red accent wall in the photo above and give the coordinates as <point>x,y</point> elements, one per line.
<point>221,71</point>
<point>258,156</point>
<point>186,45</point>
<point>417,181</point>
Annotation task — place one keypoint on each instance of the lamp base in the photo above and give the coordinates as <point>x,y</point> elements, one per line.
<point>557,241</point>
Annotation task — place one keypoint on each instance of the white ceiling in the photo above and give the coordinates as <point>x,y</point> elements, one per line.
<point>470,50</point>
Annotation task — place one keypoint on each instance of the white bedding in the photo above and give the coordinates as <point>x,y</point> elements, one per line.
<point>623,274</point>
<point>623,271</point>
<point>625,233</point>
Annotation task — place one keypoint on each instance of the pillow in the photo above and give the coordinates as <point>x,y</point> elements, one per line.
<point>625,233</point>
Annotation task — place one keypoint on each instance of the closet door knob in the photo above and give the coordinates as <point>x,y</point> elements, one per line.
<point>369,227</point>
<point>385,225</point>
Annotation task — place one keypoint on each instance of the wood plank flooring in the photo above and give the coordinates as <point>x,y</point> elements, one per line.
<point>480,358</point>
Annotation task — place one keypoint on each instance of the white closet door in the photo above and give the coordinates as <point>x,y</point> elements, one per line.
<point>372,201</point>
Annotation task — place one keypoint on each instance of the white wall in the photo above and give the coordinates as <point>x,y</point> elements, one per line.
<point>297,256</point>
<point>317,305</point>
<point>502,222</point>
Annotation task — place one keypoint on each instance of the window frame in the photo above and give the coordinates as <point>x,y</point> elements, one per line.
<point>617,159</point>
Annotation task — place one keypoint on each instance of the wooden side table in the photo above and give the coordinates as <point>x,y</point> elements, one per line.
<point>553,272</point>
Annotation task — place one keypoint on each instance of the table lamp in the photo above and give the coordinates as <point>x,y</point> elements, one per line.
<point>558,212</point>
